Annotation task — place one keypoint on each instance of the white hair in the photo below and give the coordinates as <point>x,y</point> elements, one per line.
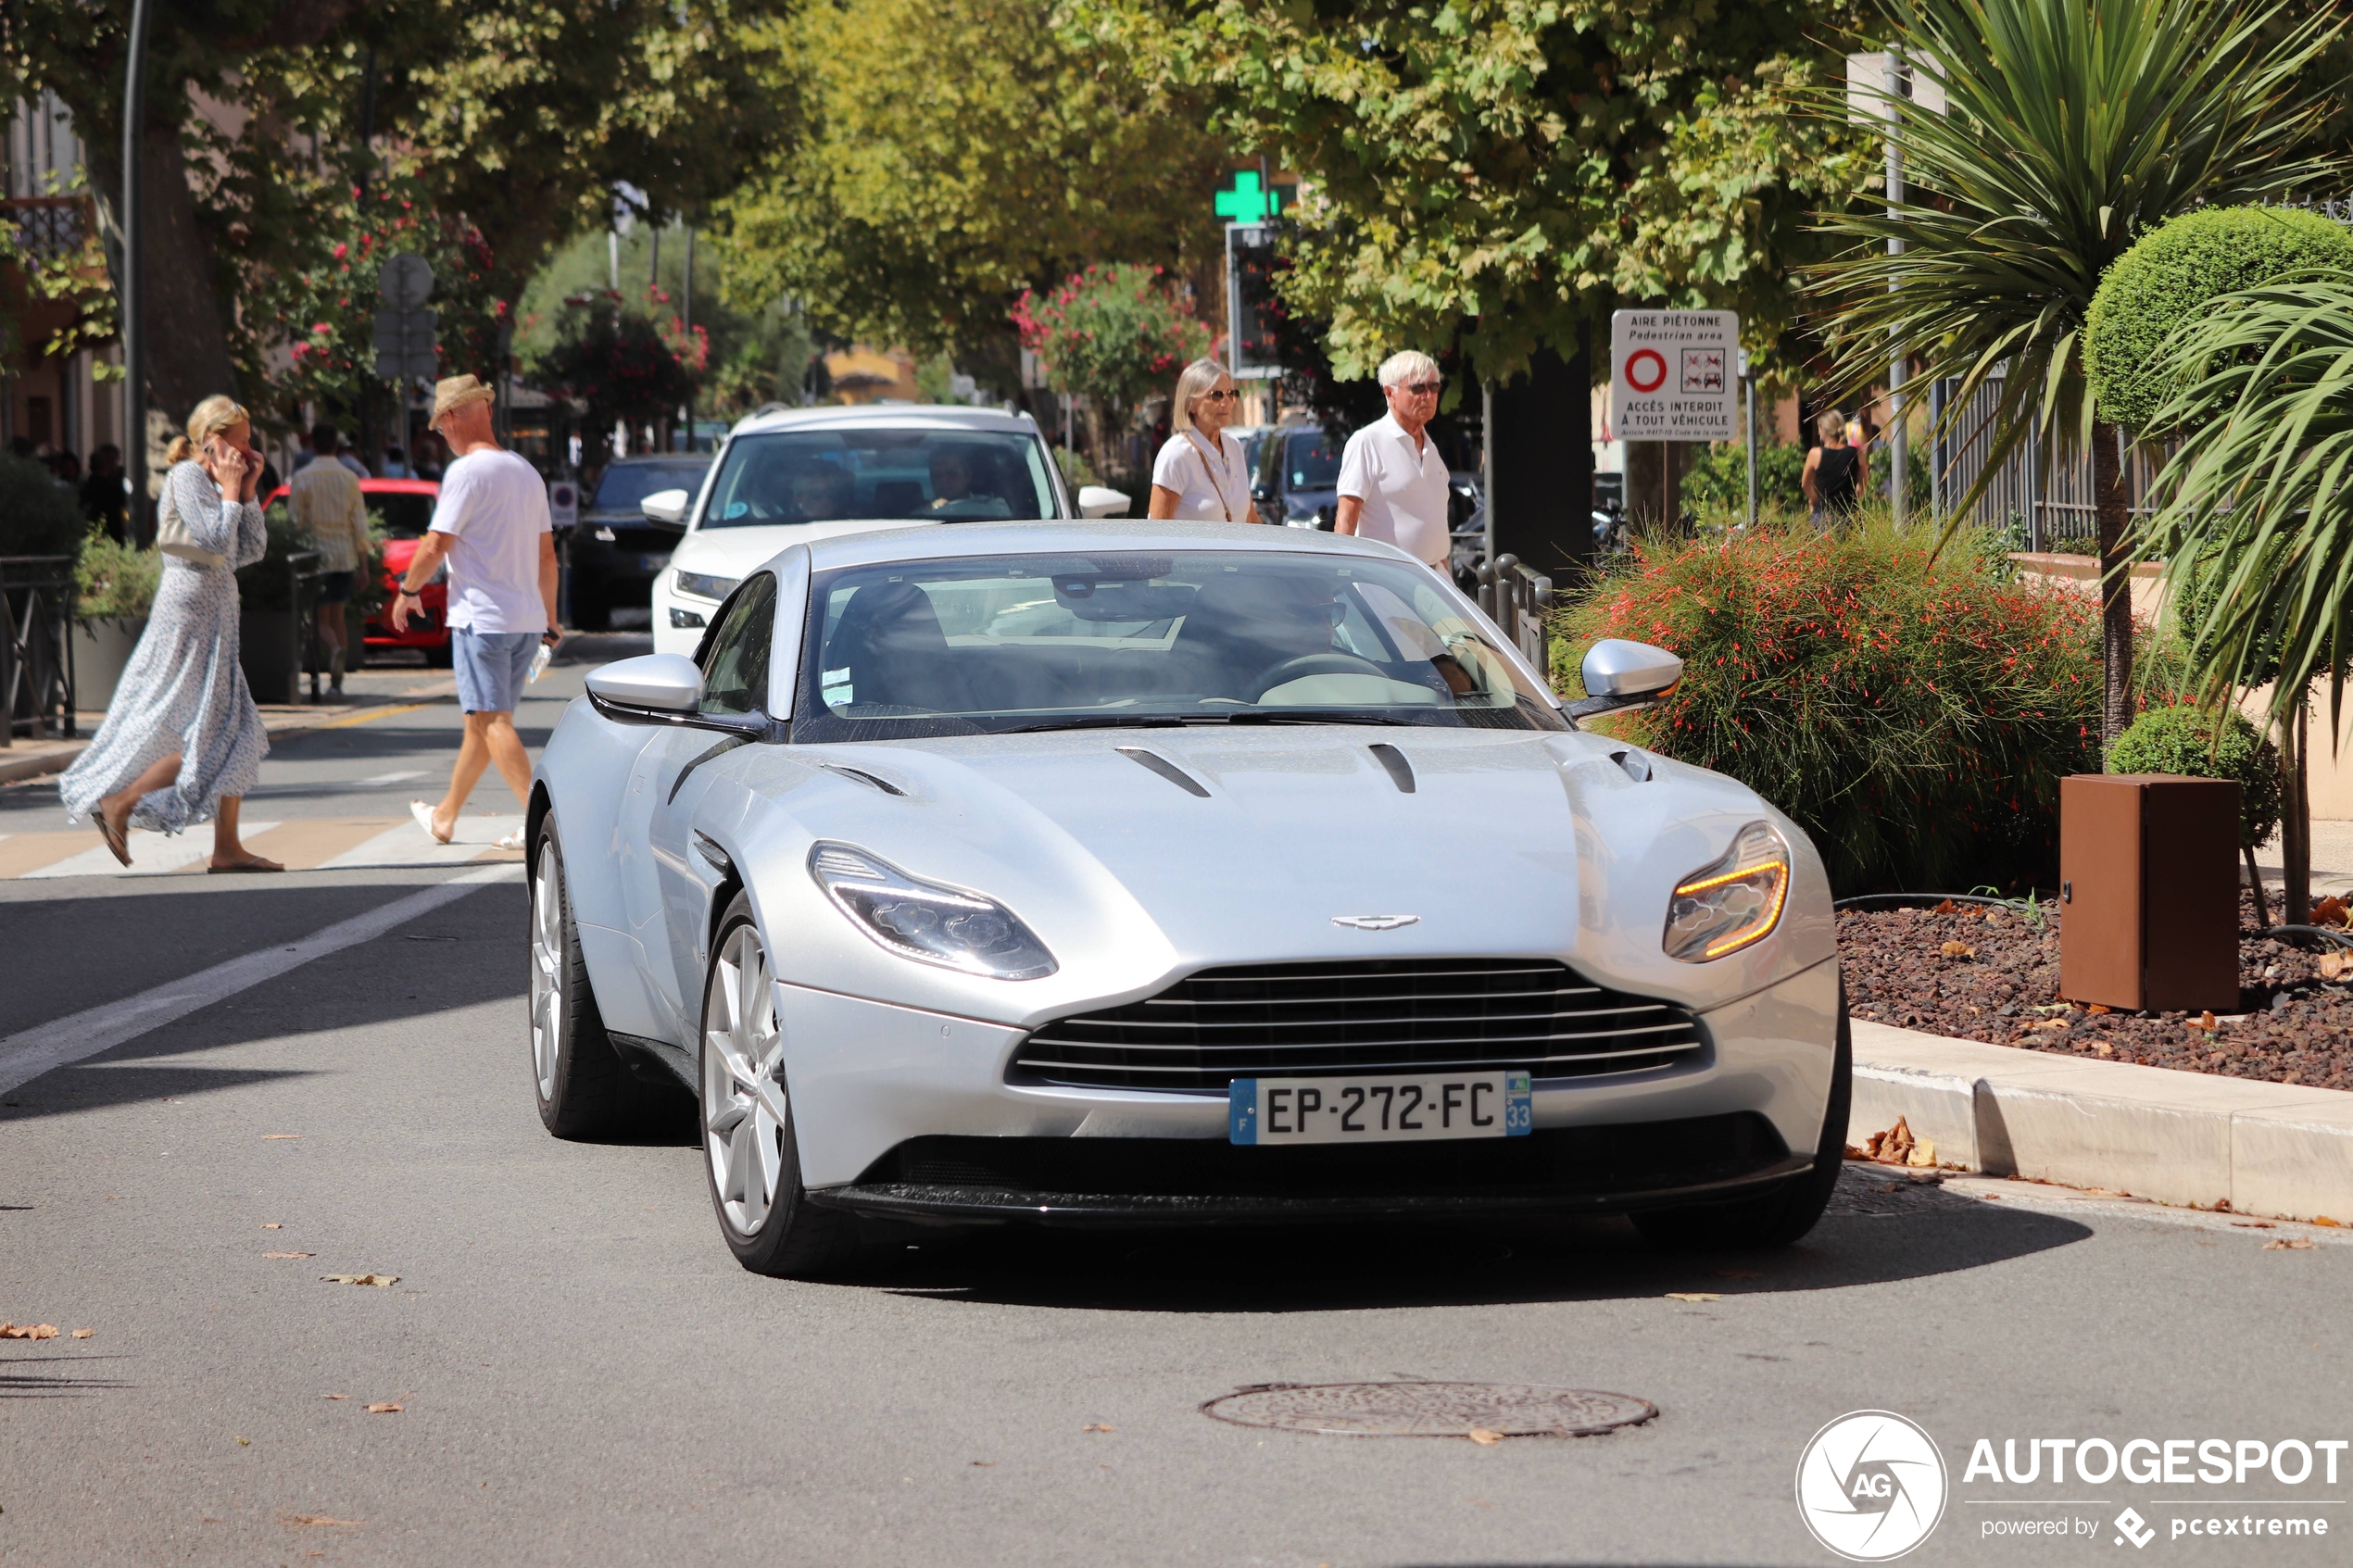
<point>1201,375</point>
<point>1398,369</point>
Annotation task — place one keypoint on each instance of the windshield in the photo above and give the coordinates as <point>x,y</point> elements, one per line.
<point>933,475</point>
<point>398,514</point>
<point>1311,463</point>
<point>998,644</point>
<point>625,485</point>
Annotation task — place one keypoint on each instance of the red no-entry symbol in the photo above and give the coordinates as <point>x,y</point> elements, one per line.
<point>1646,369</point>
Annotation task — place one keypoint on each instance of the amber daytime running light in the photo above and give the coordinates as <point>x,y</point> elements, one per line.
<point>1722,908</point>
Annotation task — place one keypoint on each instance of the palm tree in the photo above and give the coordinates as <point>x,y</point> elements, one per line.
<point>2260,495</point>
<point>2071,128</point>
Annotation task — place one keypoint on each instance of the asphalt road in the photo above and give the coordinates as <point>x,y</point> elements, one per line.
<point>585,1376</point>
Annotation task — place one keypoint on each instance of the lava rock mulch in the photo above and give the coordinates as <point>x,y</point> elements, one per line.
<point>1980,974</point>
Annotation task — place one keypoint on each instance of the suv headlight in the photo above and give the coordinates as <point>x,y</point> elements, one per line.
<point>702,587</point>
<point>1722,908</point>
<point>927,920</point>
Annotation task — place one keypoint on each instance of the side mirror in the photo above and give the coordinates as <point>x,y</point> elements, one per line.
<point>667,508</point>
<point>1620,676</point>
<point>653,682</point>
<point>1101,500</point>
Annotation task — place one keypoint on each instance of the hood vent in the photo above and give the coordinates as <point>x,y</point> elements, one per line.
<point>1400,771</point>
<point>1166,770</point>
<point>861,776</point>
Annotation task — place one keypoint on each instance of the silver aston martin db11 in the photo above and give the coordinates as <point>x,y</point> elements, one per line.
<point>1126,872</point>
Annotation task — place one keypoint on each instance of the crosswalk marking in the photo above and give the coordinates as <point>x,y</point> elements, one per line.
<point>301,843</point>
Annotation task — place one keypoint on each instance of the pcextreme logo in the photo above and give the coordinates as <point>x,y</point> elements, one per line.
<point>1870,1486</point>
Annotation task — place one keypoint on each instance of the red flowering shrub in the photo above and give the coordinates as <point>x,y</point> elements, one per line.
<point>1914,715</point>
<point>1115,332</point>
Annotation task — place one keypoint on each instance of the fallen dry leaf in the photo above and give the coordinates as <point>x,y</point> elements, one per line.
<point>2206,1020</point>
<point>384,1408</point>
<point>1952,949</point>
<point>273,1138</point>
<point>27,1331</point>
<point>1856,1151</point>
<point>1483,1438</point>
<point>984,1465</point>
<point>244,1442</point>
<point>2104,1048</point>
<point>85,1334</point>
<point>1099,1427</point>
<point>1694,1295</point>
<point>1946,907</point>
<point>360,1279</point>
<point>2334,965</point>
<point>2252,1225</point>
<point>2331,911</point>
<point>2288,1244</point>
<point>293,1520</point>
<point>271,1225</point>
<point>2324,1220</point>
<point>290,1254</point>
<point>338,1396</point>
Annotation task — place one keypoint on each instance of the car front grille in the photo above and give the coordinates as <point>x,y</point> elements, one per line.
<point>1406,1015</point>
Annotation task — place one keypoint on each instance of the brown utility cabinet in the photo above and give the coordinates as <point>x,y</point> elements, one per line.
<point>2149,892</point>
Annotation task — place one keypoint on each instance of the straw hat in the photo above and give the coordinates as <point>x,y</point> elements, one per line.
<point>453,393</point>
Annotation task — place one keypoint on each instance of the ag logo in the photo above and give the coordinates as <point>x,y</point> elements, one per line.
<point>1870,1486</point>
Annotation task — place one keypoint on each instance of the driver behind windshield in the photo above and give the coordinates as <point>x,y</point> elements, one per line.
<point>821,493</point>
<point>950,478</point>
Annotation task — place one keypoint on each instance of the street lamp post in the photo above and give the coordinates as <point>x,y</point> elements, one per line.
<point>134,343</point>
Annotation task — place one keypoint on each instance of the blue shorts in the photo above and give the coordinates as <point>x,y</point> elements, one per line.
<point>491,668</point>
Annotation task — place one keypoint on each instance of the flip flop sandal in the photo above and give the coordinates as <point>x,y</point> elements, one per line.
<point>512,841</point>
<point>242,866</point>
<point>423,813</point>
<point>117,842</point>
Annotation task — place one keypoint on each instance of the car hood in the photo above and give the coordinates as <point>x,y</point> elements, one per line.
<point>1510,843</point>
<point>736,552</point>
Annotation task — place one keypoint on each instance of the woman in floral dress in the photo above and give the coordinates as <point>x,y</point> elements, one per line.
<point>183,741</point>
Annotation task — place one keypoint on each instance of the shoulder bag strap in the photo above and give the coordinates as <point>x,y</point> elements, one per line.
<point>1211,466</point>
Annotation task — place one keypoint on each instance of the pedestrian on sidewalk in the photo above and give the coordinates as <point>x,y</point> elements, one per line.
<point>183,741</point>
<point>1392,477</point>
<point>326,503</point>
<point>491,526</point>
<point>1835,472</point>
<point>1199,475</point>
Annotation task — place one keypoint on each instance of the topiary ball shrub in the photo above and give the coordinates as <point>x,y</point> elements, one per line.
<point>2167,278</point>
<point>2181,739</point>
<point>1913,713</point>
<point>38,516</point>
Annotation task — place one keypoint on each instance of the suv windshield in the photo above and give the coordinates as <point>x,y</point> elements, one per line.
<point>999,644</point>
<point>625,485</point>
<point>930,474</point>
<point>1310,462</point>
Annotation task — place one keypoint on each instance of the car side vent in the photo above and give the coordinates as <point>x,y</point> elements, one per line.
<point>861,776</point>
<point>1401,773</point>
<point>1637,766</point>
<point>1165,769</point>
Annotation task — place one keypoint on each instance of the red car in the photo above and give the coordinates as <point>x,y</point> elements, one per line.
<point>402,509</point>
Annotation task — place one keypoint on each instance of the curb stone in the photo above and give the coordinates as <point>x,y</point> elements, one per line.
<point>2269,1150</point>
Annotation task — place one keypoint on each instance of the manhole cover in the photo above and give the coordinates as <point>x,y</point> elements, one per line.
<point>1431,1410</point>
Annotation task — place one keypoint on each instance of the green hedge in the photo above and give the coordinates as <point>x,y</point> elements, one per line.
<point>1914,712</point>
<point>2169,277</point>
<point>1717,478</point>
<point>2181,740</point>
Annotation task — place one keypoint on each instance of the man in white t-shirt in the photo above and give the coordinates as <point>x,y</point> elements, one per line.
<point>491,526</point>
<point>1392,481</point>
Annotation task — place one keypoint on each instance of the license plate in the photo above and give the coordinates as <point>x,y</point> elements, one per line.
<point>1385,1110</point>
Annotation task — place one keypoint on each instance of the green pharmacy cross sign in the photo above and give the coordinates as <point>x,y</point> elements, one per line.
<point>1246,203</point>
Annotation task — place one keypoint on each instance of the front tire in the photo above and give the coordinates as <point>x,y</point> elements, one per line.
<point>577,1077</point>
<point>749,1154</point>
<point>1786,1213</point>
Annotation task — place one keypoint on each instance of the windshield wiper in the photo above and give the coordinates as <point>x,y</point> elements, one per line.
<point>1314,718</point>
<point>1181,721</point>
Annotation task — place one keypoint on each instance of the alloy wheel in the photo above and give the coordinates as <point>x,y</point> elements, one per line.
<point>743,1108</point>
<point>546,972</point>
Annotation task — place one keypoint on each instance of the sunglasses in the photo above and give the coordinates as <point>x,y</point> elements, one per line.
<point>1220,396</point>
<point>1423,388</point>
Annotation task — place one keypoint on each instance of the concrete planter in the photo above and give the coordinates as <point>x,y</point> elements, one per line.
<point>102,646</point>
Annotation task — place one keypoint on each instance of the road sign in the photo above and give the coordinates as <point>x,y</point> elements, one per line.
<point>406,281</point>
<point>405,344</point>
<point>1674,375</point>
<point>563,503</point>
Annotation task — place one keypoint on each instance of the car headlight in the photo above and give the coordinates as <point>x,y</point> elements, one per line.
<point>1722,908</point>
<point>703,588</point>
<point>929,922</point>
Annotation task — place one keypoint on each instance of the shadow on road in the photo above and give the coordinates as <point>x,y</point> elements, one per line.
<point>15,1384</point>
<point>1871,1237</point>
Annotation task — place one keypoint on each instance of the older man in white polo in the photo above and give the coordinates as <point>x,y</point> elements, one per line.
<point>1392,483</point>
<point>491,527</point>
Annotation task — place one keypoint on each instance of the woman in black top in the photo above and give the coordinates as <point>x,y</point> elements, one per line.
<point>1835,473</point>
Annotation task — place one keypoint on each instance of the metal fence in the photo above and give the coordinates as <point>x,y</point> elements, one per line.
<point>2053,504</point>
<point>1520,603</point>
<point>36,646</point>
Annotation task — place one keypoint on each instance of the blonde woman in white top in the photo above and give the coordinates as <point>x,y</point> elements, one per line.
<point>1199,476</point>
